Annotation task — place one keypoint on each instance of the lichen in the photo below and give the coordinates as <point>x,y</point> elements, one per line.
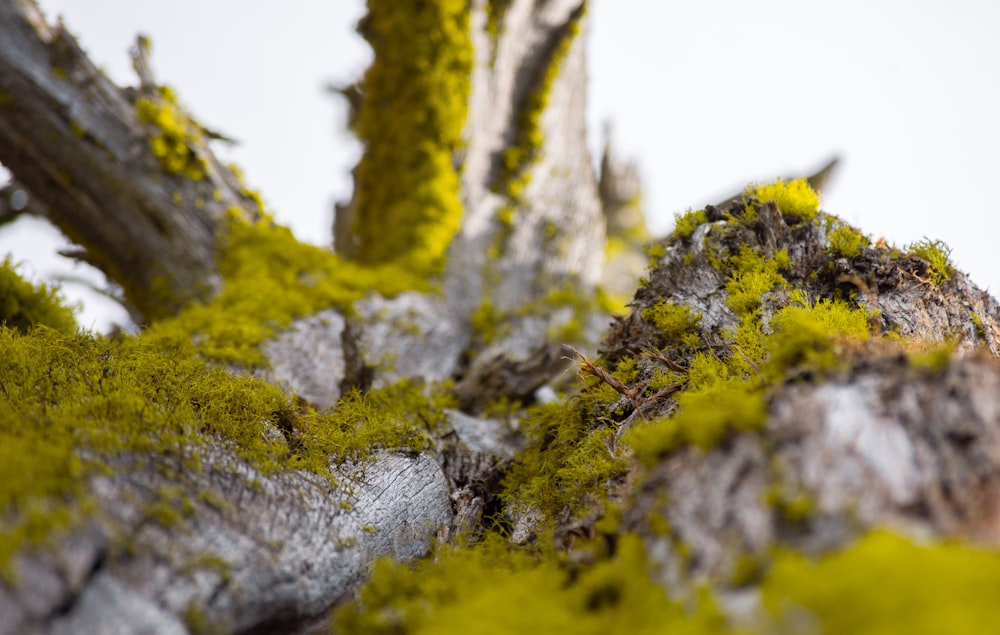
<point>415,99</point>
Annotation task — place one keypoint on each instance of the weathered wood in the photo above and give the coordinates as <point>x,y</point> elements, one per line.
<point>248,550</point>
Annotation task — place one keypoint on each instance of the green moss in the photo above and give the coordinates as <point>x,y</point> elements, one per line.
<point>686,223</point>
<point>706,417</point>
<point>177,136</point>
<point>71,401</point>
<point>937,255</point>
<point>979,326</point>
<point>677,322</point>
<point>846,241</point>
<point>491,588</point>
<point>495,12</point>
<point>567,463</point>
<point>415,99</point>
<point>809,337</point>
<point>655,252</point>
<point>69,404</point>
<point>752,275</point>
<point>934,357</point>
<point>24,305</point>
<point>884,584</point>
<point>6,99</point>
<point>270,279</point>
<point>795,198</point>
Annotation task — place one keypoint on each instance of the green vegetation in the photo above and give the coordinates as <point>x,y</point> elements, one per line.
<point>177,137</point>
<point>882,584</point>
<point>490,588</point>
<point>846,241</point>
<point>415,98</point>
<point>707,416</point>
<point>270,279</point>
<point>937,255</point>
<point>809,337</point>
<point>794,198</point>
<point>23,305</point>
<point>71,402</point>
<point>567,464</point>
<point>686,223</point>
<point>885,584</point>
<point>752,275</point>
<point>675,321</point>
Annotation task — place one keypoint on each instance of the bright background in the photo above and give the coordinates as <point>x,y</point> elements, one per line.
<point>706,96</point>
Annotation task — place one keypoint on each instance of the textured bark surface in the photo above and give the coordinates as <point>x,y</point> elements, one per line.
<point>249,550</point>
<point>80,152</point>
<point>886,442</point>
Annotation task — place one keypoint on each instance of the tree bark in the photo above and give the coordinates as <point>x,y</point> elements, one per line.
<point>78,147</point>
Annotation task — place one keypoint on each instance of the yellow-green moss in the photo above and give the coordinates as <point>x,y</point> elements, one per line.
<point>415,99</point>
<point>270,279</point>
<point>706,417</point>
<point>567,463</point>
<point>6,99</point>
<point>937,255</point>
<point>795,198</point>
<point>846,241</point>
<point>752,275</point>
<point>24,305</point>
<point>677,322</point>
<point>807,337</point>
<point>69,403</point>
<point>489,588</point>
<point>177,136</point>
<point>885,584</point>
<point>686,223</point>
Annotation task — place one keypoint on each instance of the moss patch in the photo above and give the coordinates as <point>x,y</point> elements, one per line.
<point>490,588</point>
<point>567,464</point>
<point>23,305</point>
<point>177,136</point>
<point>70,402</point>
<point>270,279</point>
<point>794,198</point>
<point>415,99</point>
<point>937,255</point>
<point>886,584</point>
<point>686,223</point>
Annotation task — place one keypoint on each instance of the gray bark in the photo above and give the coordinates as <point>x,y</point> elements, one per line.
<point>79,150</point>
<point>250,550</point>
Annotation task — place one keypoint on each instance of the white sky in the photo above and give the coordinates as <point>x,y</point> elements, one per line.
<point>705,95</point>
